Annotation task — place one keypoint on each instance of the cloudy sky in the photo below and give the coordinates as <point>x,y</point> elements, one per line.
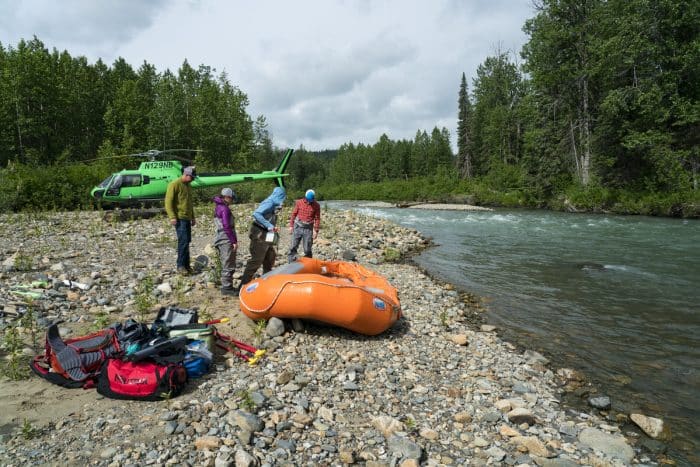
<point>322,72</point>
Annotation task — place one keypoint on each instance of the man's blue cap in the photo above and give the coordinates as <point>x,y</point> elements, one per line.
<point>310,195</point>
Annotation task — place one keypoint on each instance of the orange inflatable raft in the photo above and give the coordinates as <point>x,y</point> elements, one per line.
<point>334,292</point>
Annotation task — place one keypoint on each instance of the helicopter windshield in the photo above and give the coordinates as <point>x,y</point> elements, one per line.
<point>105,182</point>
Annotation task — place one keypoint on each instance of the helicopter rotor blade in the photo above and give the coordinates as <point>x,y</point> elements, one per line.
<point>97,159</point>
<point>182,150</point>
<point>182,159</point>
<point>151,153</point>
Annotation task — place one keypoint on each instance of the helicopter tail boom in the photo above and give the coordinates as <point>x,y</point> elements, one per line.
<point>283,166</point>
<point>222,179</point>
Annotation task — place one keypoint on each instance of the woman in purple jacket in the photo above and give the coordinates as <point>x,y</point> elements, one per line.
<point>226,241</point>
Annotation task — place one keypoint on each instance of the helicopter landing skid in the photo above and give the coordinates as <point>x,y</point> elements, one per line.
<point>122,215</point>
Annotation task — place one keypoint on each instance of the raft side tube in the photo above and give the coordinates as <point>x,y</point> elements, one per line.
<point>334,292</point>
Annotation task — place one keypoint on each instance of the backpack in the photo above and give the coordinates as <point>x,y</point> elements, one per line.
<point>144,380</point>
<point>174,316</point>
<point>75,362</point>
<point>132,335</point>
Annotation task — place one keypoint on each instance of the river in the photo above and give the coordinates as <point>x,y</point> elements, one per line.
<point>617,297</point>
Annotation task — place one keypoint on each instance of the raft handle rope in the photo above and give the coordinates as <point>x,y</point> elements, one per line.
<point>371,290</point>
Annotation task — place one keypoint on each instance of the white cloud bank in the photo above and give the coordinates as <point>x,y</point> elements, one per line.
<point>323,72</point>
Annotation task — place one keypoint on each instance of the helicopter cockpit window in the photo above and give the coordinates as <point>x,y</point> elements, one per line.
<point>105,182</point>
<point>114,187</point>
<point>116,182</point>
<point>123,181</point>
<point>131,180</point>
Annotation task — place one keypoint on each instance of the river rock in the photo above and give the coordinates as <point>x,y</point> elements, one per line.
<point>387,425</point>
<point>558,462</point>
<point>244,459</point>
<point>569,374</point>
<point>533,357</point>
<point>507,431</point>
<point>653,427</point>
<point>610,445</point>
<point>404,448</point>
<point>601,402</point>
<point>532,445</point>
<point>346,457</point>
<point>460,339</point>
<point>496,453</point>
<point>224,459</point>
<point>349,255</point>
<point>246,421</point>
<point>8,265</point>
<point>275,327</point>
<point>207,442</point>
<point>521,415</point>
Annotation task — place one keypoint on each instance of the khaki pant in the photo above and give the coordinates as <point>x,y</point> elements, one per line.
<point>261,253</point>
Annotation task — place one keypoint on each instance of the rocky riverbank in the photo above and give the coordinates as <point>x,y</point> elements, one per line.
<point>436,389</point>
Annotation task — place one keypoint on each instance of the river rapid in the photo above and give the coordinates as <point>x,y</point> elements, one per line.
<point>617,297</point>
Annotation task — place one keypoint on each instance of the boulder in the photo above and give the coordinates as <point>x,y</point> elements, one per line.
<point>610,445</point>
<point>653,427</point>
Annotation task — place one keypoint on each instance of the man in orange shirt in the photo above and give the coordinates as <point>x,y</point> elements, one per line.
<point>304,224</point>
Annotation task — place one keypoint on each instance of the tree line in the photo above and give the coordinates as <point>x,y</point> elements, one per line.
<point>607,97</point>
<point>601,111</point>
<point>57,111</point>
<point>56,108</point>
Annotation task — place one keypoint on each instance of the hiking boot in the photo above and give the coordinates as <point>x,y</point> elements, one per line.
<point>229,290</point>
<point>184,271</point>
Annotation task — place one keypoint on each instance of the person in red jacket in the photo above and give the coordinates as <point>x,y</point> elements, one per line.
<point>304,224</point>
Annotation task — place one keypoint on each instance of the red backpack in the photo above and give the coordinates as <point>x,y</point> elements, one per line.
<point>75,362</point>
<point>145,380</point>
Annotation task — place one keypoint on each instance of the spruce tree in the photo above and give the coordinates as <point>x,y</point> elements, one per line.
<point>464,157</point>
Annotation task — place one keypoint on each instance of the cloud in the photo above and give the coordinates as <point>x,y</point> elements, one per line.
<point>73,24</point>
<point>322,72</point>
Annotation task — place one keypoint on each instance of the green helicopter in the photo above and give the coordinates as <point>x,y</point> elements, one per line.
<point>149,182</point>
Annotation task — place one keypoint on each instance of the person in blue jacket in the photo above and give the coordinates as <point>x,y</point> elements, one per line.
<point>263,251</point>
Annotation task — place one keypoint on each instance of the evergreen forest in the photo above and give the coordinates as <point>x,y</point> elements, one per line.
<point>600,111</point>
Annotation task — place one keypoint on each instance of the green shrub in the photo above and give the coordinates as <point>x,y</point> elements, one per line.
<point>28,188</point>
<point>391,255</point>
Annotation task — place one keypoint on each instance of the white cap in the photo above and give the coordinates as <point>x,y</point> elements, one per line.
<point>227,192</point>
